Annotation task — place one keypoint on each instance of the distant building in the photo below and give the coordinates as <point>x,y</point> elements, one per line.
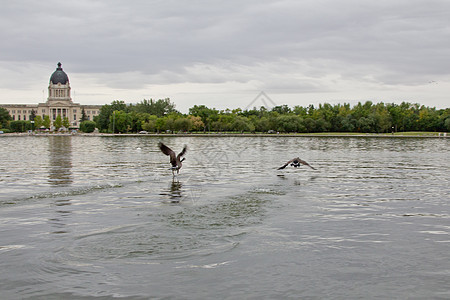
<point>59,102</point>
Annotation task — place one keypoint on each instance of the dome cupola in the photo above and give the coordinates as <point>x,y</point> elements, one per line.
<point>59,76</point>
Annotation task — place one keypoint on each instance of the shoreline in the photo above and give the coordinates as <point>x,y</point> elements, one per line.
<point>274,135</point>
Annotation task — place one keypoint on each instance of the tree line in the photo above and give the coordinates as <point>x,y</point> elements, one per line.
<point>161,116</point>
<point>368,117</point>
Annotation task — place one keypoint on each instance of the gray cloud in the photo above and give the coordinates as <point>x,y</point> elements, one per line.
<point>284,46</point>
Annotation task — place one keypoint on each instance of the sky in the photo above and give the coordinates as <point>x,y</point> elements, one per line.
<point>228,54</point>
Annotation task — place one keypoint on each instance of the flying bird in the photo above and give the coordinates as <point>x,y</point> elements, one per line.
<point>296,162</point>
<point>175,160</point>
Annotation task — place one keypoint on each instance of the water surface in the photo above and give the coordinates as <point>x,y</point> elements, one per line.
<point>100,217</point>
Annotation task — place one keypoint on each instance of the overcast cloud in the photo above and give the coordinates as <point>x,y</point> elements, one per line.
<point>224,53</point>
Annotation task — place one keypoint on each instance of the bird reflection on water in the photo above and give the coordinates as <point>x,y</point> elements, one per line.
<point>174,192</point>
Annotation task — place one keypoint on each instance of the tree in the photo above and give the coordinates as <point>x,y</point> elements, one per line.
<point>300,111</point>
<point>447,124</point>
<point>366,124</point>
<point>197,123</point>
<point>183,124</point>
<point>58,122</point>
<point>348,124</point>
<point>32,115</point>
<point>46,123</point>
<point>83,116</point>
<point>169,123</point>
<point>121,121</point>
<point>310,125</point>
<point>66,123</point>
<point>17,126</point>
<point>206,114</point>
<point>5,117</point>
<point>282,109</point>
<point>149,124</point>
<point>160,108</point>
<point>38,122</point>
<point>104,119</point>
<point>159,124</point>
<point>289,123</point>
<point>242,124</point>
<point>87,126</point>
<point>262,124</point>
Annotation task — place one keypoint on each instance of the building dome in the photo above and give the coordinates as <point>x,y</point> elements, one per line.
<point>59,76</point>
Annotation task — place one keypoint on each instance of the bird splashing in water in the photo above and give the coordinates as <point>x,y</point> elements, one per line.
<point>175,160</point>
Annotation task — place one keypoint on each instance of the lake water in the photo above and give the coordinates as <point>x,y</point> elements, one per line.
<point>101,217</point>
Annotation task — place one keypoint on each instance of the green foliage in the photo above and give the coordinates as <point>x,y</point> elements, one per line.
<point>32,115</point>
<point>182,124</point>
<point>149,123</point>
<point>87,126</point>
<point>105,118</point>
<point>46,123</point>
<point>4,118</point>
<point>120,121</point>
<point>58,122</point>
<point>20,126</point>
<point>159,108</point>
<point>161,116</point>
<point>66,122</point>
<point>137,115</point>
<point>38,122</point>
<point>447,124</point>
<point>17,126</point>
<point>83,116</point>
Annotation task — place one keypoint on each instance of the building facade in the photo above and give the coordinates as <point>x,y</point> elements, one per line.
<point>59,103</point>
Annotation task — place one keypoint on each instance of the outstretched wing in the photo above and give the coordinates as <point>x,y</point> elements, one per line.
<point>183,152</point>
<point>296,159</point>
<point>305,163</point>
<point>166,150</point>
<point>286,164</point>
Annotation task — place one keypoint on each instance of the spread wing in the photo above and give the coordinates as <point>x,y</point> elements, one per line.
<point>305,163</point>
<point>167,151</point>
<point>296,159</point>
<point>183,152</point>
<point>286,164</point>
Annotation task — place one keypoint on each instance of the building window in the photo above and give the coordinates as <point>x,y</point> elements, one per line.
<point>18,117</point>
<point>24,118</point>
<point>43,111</point>
<point>14,117</point>
<point>74,117</point>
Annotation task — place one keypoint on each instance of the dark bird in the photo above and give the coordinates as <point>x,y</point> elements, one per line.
<point>175,160</point>
<point>296,162</point>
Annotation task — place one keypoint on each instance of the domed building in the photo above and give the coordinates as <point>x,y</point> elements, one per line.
<point>59,103</point>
